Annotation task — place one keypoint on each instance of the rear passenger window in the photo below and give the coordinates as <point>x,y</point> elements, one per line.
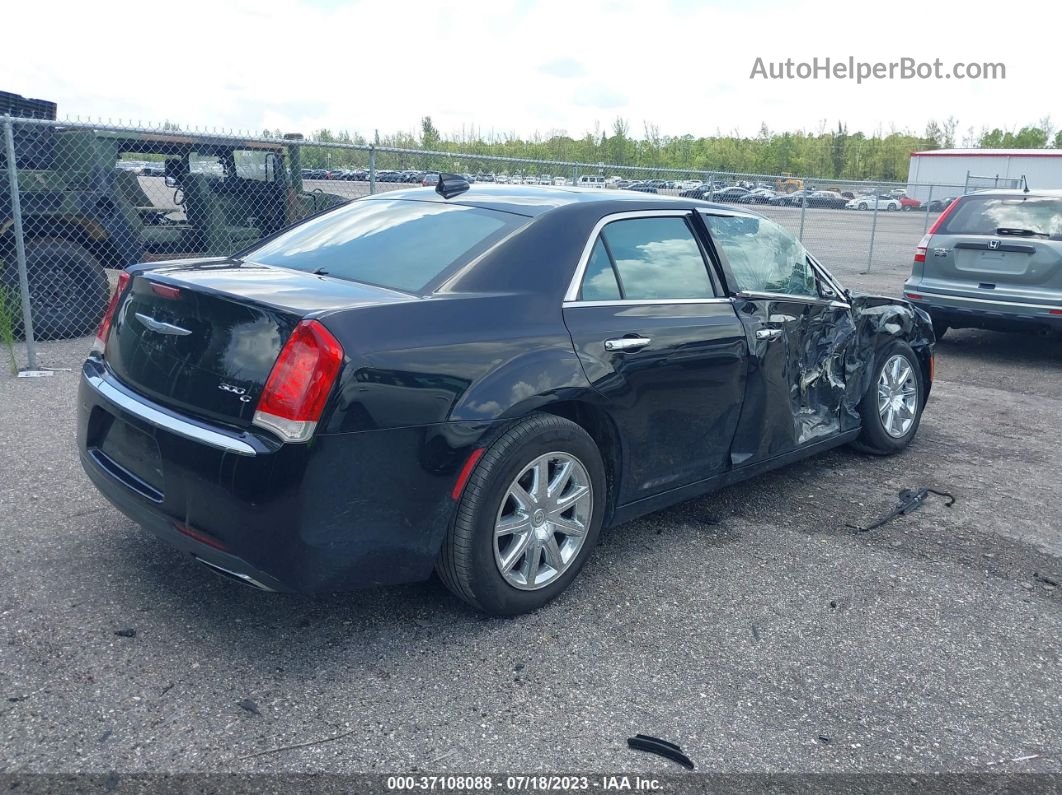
<point>599,281</point>
<point>657,258</point>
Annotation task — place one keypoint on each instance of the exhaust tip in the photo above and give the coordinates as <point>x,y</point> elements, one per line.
<point>246,579</point>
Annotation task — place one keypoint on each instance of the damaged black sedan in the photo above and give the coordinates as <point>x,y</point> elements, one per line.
<point>477,381</point>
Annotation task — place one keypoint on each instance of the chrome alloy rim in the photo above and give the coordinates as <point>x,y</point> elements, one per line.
<point>897,396</point>
<point>543,520</point>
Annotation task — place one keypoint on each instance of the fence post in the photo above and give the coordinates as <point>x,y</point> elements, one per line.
<point>873,229</point>
<point>711,186</point>
<point>372,169</point>
<point>20,243</point>
<point>929,201</point>
<point>803,211</point>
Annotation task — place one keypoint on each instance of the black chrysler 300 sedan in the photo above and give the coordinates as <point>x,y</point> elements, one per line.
<point>476,381</point>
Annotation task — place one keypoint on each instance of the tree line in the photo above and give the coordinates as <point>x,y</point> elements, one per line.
<point>827,154</point>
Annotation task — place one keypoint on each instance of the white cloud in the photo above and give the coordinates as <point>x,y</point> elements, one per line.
<point>514,65</point>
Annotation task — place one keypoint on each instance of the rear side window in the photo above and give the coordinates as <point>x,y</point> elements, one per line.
<point>1029,216</point>
<point>599,281</point>
<point>651,258</point>
<point>403,245</point>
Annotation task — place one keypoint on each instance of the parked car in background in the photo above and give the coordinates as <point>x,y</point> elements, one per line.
<point>794,199</point>
<point>993,259</point>
<point>827,198</point>
<point>886,203</point>
<point>731,194</point>
<point>937,205</point>
<point>642,187</point>
<point>292,418</point>
<point>757,196</point>
<point>431,179</point>
<point>591,181</point>
<point>907,204</point>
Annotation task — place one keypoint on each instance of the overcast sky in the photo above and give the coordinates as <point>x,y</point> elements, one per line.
<point>521,66</point>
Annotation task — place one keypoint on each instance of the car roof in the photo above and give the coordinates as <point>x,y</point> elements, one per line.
<point>535,200</point>
<point>1047,193</point>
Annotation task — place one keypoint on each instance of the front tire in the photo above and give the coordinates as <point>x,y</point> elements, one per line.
<point>68,288</point>
<point>528,518</point>
<point>891,409</point>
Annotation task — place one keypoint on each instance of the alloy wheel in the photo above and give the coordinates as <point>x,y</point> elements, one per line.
<point>543,521</point>
<point>897,396</point>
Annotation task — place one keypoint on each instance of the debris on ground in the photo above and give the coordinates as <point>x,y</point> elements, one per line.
<point>248,705</point>
<point>910,500</point>
<point>125,633</point>
<point>654,745</point>
<point>825,739</point>
<point>1045,579</point>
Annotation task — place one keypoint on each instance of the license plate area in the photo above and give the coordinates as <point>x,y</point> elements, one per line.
<point>131,456</point>
<point>995,262</point>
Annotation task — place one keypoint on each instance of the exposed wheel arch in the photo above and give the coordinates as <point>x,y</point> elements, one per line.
<point>599,424</point>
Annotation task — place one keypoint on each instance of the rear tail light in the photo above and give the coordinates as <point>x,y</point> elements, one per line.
<point>921,249</point>
<point>100,344</point>
<point>299,383</point>
<point>912,296</point>
<point>942,217</point>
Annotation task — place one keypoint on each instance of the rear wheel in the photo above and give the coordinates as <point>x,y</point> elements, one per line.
<point>891,410</point>
<point>68,288</point>
<point>528,518</point>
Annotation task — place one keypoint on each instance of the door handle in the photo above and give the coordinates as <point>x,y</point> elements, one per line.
<point>627,343</point>
<point>768,333</point>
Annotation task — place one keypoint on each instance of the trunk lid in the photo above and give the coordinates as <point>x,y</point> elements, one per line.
<point>203,338</point>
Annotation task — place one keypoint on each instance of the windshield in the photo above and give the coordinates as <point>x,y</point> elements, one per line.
<point>985,215</point>
<point>403,245</point>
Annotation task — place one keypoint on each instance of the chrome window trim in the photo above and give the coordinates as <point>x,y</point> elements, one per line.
<point>166,421</point>
<point>572,295</point>
<point>806,299</point>
<point>647,302</point>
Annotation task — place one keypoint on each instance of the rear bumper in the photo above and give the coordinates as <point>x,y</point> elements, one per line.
<point>341,512</point>
<point>987,313</point>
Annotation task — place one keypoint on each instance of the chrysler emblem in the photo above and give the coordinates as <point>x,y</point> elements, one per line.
<point>161,328</point>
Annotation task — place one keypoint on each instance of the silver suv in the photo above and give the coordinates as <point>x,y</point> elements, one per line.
<point>992,260</point>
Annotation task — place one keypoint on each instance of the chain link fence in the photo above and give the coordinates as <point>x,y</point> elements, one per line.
<point>84,200</point>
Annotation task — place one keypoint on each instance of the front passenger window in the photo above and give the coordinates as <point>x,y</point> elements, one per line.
<point>763,256</point>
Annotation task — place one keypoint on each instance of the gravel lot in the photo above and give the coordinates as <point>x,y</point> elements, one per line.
<point>751,627</point>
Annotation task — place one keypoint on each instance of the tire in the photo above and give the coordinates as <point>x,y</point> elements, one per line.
<point>875,438</point>
<point>68,287</point>
<point>862,205</point>
<point>906,208</point>
<point>890,208</point>
<point>940,328</point>
<point>471,561</point>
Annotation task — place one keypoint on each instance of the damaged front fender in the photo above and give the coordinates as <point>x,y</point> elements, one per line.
<point>878,322</point>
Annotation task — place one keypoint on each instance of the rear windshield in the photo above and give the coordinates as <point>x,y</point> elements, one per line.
<point>403,245</point>
<point>1039,216</point>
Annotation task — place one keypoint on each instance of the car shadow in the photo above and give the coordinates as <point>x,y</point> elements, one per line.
<point>1012,349</point>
